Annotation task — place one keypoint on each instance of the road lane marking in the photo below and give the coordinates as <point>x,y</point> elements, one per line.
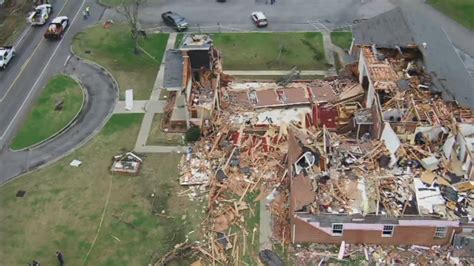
<point>67,60</point>
<point>22,36</point>
<point>28,60</point>
<point>41,74</point>
<point>21,71</point>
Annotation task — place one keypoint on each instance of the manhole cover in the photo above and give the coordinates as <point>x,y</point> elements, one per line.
<point>20,193</point>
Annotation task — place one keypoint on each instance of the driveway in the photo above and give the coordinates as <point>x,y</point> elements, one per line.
<point>102,95</point>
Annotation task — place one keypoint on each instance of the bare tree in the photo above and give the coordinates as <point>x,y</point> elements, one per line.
<point>129,9</point>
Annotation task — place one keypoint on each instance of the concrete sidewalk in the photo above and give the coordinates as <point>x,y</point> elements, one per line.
<point>274,72</point>
<point>265,232</point>
<point>138,107</point>
<point>154,106</point>
<point>329,52</point>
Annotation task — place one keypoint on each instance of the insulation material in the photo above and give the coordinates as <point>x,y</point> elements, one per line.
<point>427,198</point>
<point>391,141</point>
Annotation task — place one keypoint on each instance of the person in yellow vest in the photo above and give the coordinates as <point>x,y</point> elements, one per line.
<point>88,10</point>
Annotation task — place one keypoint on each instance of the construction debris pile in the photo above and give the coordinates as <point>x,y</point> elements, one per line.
<point>387,147</point>
<point>412,161</point>
<point>126,164</point>
<point>384,255</point>
<point>240,168</point>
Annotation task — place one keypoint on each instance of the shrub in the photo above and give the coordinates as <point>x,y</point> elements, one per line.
<point>193,134</point>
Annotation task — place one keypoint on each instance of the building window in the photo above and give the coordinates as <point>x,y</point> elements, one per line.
<point>388,230</point>
<point>440,232</point>
<point>337,229</point>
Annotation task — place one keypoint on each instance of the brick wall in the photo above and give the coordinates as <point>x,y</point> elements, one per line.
<point>402,235</point>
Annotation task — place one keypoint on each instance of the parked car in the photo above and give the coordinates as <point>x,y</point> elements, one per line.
<point>6,55</point>
<point>40,15</point>
<point>259,19</point>
<point>175,20</point>
<point>57,27</point>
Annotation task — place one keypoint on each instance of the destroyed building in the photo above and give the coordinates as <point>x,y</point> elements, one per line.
<point>380,157</point>
<point>192,74</point>
<point>402,28</point>
<point>401,175</point>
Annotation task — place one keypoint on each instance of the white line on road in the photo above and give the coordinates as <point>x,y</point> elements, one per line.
<point>42,73</point>
<point>67,60</point>
<point>23,36</point>
<point>27,60</point>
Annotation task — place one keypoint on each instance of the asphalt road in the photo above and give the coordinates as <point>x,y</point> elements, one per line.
<point>102,95</point>
<point>284,15</point>
<point>37,60</point>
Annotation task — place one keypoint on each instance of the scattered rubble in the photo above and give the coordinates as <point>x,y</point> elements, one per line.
<point>126,164</point>
<point>384,147</point>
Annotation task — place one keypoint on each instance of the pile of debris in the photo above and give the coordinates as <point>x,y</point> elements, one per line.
<point>386,255</point>
<point>126,164</point>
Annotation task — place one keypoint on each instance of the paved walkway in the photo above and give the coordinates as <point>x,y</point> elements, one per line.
<point>138,107</point>
<point>329,52</point>
<point>273,72</point>
<point>155,105</point>
<point>266,227</point>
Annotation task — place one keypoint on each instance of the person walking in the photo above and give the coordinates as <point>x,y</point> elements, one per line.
<point>60,258</point>
<point>88,11</point>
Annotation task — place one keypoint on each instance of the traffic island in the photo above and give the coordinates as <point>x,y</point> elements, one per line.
<point>58,106</point>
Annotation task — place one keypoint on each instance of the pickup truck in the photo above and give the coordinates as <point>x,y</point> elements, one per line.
<point>6,55</point>
<point>40,15</point>
<point>57,27</point>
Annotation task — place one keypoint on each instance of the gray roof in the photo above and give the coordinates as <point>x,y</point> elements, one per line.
<point>449,75</point>
<point>173,76</point>
<point>386,30</point>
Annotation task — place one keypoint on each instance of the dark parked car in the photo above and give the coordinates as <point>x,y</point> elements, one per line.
<point>174,20</point>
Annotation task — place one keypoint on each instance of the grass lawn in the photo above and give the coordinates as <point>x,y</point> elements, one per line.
<point>12,20</point>
<point>271,51</point>
<point>64,205</point>
<point>113,49</point>
<point>252,221</point>
<point>43,120</point>
<point>460,10</point>
<point>158,137</point>
<point>342,39</point>
<point>179,39</point>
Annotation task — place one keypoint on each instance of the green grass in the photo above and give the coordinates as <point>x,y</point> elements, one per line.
<point>342,39</point>
<point>113,48</point>
<point>271,51</point>
<point>158,137</point>
<point>252,220</point>
<point>12,20</point>
<point>460,10</point>
<point>179,39</point>
<point>63,206</point>
<point>44,121</point>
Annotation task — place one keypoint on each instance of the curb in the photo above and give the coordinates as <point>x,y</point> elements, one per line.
<point>85,98</point>
<point>86,139</point>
